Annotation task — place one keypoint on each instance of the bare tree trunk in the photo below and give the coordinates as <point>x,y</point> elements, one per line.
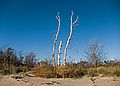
<point>55,40</point>
<point>60,46</point>
<point>70,35</point>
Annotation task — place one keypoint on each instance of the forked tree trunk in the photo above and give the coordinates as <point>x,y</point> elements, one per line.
<point>55,40</point>
<point>72,24</point>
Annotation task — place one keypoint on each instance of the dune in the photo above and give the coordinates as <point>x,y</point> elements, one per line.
<point>36,81</point>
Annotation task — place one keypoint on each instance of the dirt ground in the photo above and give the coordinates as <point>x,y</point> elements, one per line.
<point>36,81</point>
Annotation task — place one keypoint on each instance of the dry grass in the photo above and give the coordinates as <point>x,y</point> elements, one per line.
<point>46,70</point>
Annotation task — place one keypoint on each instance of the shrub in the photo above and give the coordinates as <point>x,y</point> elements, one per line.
<point>1,72</point>
<point>48,71</point>
<point>6,72</point>
<point>70,71</point>
<point>96,72</point>
<point>44,70</point>
<point>92,72</point>
<point>116,73</point>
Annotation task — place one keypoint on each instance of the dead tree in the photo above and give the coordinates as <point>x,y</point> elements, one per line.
<point>95,53</point>
<point>60,46</point>
<point>30,60</point>
<point>72,25</point>
<point>55,40</point>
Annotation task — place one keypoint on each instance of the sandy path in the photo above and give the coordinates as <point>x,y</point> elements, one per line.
<point>36,81</point>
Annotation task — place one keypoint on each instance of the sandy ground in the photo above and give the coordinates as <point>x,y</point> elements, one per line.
<point>36,81</point>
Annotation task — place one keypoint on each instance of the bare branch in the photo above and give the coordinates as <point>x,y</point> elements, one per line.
<point>95,53</point>
<point>76,20</point>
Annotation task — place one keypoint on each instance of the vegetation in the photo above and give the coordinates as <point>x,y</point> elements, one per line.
<point>11,63</point>
<point>116,73</point>
<point>48,71</point>
<point>95,53</point>
<point>76,70</point>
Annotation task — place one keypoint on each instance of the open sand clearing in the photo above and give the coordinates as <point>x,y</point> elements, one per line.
<point>36,81</point>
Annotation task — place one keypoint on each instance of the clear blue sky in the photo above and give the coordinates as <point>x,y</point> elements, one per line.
<point>27,24</point>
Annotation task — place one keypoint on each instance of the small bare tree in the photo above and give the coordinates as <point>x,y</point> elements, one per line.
<point>55,40</point>
<point>72,25</point>
<point>95,53</point>
<point>30,60</point>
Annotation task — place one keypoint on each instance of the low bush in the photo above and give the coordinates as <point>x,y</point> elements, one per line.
<point>44,70</point>
<point>48,71</point>
<point>92,72</point>
<point>104,71</point>
<point>6,72</point>
<point>116,73</point>
<point>1,72</point>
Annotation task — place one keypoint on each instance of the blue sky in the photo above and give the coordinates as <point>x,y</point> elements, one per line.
<point>27,24</point>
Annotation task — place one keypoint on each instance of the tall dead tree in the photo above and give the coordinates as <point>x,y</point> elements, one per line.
<point>55,40</point>
<point>72,25</point>
<point>60,46</point>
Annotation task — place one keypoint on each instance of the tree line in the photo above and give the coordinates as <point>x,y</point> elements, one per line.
<point>11,62</point>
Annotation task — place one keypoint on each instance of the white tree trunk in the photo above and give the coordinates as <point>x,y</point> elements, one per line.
<point>55,40</point>
<point>59,52</point>
<point>70,35</point>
